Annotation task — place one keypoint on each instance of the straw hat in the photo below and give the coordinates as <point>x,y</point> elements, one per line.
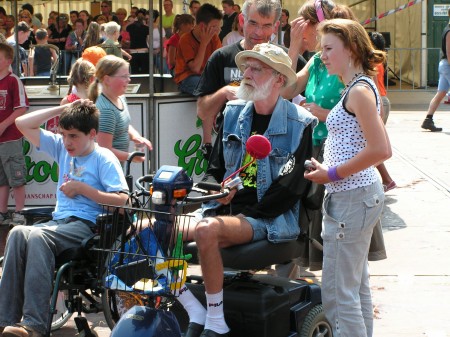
<point>273,56</point>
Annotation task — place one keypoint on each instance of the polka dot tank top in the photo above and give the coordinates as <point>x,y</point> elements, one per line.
<point>345,140</point>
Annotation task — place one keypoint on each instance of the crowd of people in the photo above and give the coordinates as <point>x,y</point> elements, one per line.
<point>327,108</point>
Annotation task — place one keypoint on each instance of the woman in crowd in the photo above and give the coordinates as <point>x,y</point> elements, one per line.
<point>26,16</point>
<point>86,17</point>
<point>93,37</point>
<point>74,42</point>
<point>356,142</point>
<point>115,130</point>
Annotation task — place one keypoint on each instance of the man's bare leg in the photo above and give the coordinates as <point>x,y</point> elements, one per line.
<point>211,234</point>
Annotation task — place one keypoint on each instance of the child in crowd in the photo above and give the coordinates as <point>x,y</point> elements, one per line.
<point>80,77</point>
<point>111,44</point>
<point>89,175</point>
<point>12,160</point>
<point>42,55</point>
<point>183,23</point>
<point>115,131</point>
<point>196,47</point>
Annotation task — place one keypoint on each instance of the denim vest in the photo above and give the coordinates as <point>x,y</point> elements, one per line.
<point>284,132</point>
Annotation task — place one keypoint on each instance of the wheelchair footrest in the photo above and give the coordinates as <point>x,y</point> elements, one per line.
<point>83,327</point>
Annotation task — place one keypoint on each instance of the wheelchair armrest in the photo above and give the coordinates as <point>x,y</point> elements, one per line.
<point>255,255</point>
<point>38,211</point>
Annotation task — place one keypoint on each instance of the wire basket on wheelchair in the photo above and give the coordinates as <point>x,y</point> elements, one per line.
<point>140,251</point>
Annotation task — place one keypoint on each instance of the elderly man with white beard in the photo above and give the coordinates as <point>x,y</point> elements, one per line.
<point>267,208</point>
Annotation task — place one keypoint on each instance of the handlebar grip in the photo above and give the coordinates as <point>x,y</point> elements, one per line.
<point>144,179</point>
<point>210,197</point>
<point>209,186</point>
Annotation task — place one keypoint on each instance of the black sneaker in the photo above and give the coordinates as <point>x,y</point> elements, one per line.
<point>428,124</point>
<point>206,149</point>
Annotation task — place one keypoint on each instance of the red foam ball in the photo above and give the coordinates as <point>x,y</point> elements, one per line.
<point>258,146</point>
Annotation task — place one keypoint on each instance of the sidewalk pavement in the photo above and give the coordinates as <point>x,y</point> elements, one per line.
<point>411,289</point>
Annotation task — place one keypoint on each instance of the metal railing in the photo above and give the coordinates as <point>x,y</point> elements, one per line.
<point>412,69</point>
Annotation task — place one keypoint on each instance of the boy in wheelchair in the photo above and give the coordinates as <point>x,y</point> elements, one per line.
<point>88,175</point>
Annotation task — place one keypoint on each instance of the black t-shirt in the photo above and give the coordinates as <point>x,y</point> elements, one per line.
<point>138,35</point>
<point>55,34</point>
<point>227,25</point>
<point>247,195</point>
<point>444,44</point>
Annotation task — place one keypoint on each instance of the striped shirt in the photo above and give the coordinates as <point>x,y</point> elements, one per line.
<point>114,121</point>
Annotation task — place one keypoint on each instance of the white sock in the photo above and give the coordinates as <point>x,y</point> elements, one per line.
<point>191,304</point>
<point>215,318</point>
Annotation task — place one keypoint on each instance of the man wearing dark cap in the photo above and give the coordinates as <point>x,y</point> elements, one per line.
<point>19,64</point>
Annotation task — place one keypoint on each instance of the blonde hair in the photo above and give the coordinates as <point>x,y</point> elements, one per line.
<point>81,73</point>
<point>108,65</point>
<point>356,39</point>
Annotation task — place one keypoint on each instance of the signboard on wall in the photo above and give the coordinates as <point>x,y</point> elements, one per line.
<point>440,10</point>
<point>179,135</point>
<point>42,171</point>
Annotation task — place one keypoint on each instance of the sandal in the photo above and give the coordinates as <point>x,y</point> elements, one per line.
<point>389,186</point>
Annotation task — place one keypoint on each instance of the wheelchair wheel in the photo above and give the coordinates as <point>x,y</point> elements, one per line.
<point>316,324</point>
<point>63,314</point>
<point>116,303</point>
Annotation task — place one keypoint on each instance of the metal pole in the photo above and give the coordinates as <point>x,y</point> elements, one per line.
<point>16,37</point>
<point>151,128</point>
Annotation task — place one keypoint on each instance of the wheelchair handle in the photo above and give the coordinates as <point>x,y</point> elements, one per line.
<point>130,159</point>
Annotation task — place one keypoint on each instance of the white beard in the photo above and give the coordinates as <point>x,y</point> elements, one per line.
<point>252,93</point>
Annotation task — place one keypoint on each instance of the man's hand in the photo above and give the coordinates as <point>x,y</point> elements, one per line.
<point>230,92</point>
<point>228,198</point>
<point>207,33</point>
<point>71,188</point>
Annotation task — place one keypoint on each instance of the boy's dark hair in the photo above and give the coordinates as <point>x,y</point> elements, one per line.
<point>82,118</point>
<point>208,12</point>
<point>193,2</point>
<point>228,2</point>
<point>2,10</point>
<point>7,50</point>
<point>28,7</point>
<point>285,11</point>
<point>74,12</point>
<point>155,14</point>
<point>378,40</point>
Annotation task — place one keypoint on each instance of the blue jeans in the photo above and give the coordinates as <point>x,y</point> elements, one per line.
<point>28,270</point>
<point>444,75</point>
<point>349,218</point>
<point>189,84</point>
